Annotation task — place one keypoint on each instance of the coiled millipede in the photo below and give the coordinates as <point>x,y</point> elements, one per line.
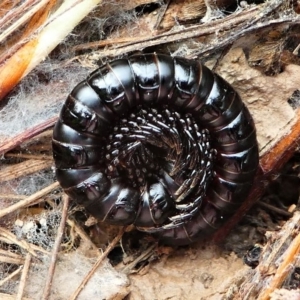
<point>156,141</point>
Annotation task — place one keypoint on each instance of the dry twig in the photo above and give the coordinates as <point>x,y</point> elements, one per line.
<point>56,247</point>
<point>24,168</point>
<point>29,200</point>
<point>23,277</point>
<point>11,276</point>
<point>10,144</point>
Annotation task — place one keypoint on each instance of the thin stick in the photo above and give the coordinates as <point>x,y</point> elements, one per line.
<point>12,143</point>
<point>10,276</point>
<point>11,297</point>
<point>11,260</point>
<point>11,254</point>
<point>56,247</point>
<point>12,197</point>
<point>23,277</point>
<point>24,168</point>
<point>30,156</point>
<point>29,200</point>
<point>98,262</point>
<point>275,209</point>
<point>161,14</point>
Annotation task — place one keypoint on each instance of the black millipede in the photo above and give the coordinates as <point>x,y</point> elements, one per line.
<point>156,141</point>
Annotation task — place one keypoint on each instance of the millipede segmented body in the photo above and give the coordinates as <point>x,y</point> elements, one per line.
<point>159,142</point>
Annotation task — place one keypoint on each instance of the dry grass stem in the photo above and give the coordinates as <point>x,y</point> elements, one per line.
<point>56,247</point>
<point>30,156</point>
<point>6,258</point>
<point>11,276</point>
<point>11,297</point>
<point>29,200</point>
<point>12,197</point>
<point>23,277</point>
<point>24,168</point>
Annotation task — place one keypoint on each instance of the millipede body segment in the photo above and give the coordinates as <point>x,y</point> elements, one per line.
<point>157,141</point>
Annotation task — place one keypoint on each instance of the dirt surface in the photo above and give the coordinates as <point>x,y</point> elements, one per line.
<point>194,273</point>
